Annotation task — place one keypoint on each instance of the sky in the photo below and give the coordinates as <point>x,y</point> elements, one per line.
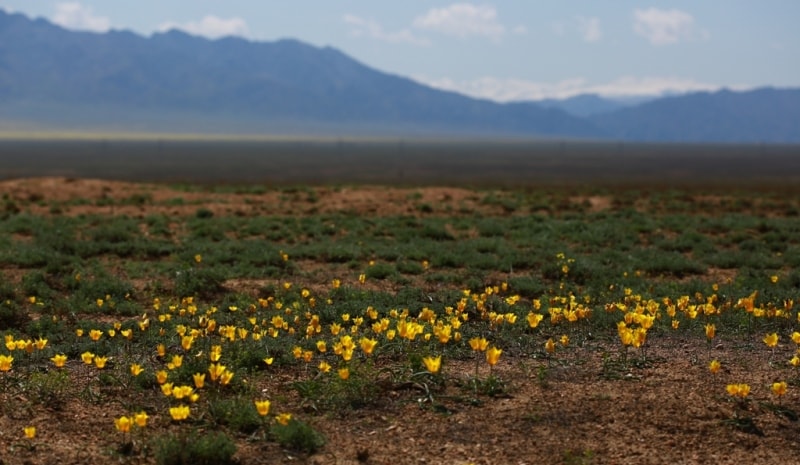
<point>502,50</point>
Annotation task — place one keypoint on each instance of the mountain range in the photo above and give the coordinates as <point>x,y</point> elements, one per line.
<point>53,78</point>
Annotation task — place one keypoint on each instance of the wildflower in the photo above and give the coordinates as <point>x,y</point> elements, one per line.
<point>714,366</point>
<point>100,362</point>
<point>324,366</point>
<point>87,358</point>
<point>284,418</point>
<point>534,319</point>
<point>40,343</point>
<point>344,373</point>
<point>779,388</point>
<point>30,432</point>
<point>269,360</point>
<point>179,413</point>
<point>796,337</point>
<point>177,361</point>
<point>161,350</point>
<point>368,345</point>
<point>199,380</point>
<point>738,390</point>
<point>362,278</point>
<point>179,392</point>
<point>771,340</point>
<point>59,360</point>
<point>161,376</point>
<point>198,258</point>
<point>136,369</point>
<point>774,278</point>
<point>432,364</point>
<point>493,355</point>
<point>226,378</point>
<point>140,419</point>
<point>186,342</point>
<point>710,331</point>
<point>550,346</point>
<point>321,346</point>
<point>123,424</point>
<point>478,343</point>
<point>795,361</point>
<point>166,389</point>
<point>263,407</point>
<point>95,334</point>
<point>565,340</point>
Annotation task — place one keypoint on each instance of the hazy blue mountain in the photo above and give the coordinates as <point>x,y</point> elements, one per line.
<point>761,115</point>
<point>173,82</point>
<point>54,75</point>
<point>584,104</point>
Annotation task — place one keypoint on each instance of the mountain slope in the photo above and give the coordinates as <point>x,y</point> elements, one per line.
<point>761,115</point>
<point>42,64</point>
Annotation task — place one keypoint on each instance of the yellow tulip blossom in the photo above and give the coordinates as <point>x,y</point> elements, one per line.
<point>493,355</point>
<point>779,388</point>
<point>136,369</point>
<point>478,344</point>
<point>5,362</point>
<point>344,373</point>
<point>59,360</point>
<point>432,364</point>
<point>140,419</point>
<point>199,380</point>
<point>534,319</point>
<point>161,376</point>
<point>263,407</point>
<point>324,366</point>
<point>565,340</point>
<point>226,377</point>
<point>714,366</point>
<point>179,413</point>
<point>40,343</point>
<point>87,358</point>
<point>284,418</point>
<point>368,345</point>
<point>550,346</point>
<point>95,334</point>
<point>186,342</point>
<point>710,331</point>
<point>100,362</point>
<point>29,431</point>
<point>771,340</point>
<point>738,390</point>
<point>123,424</point>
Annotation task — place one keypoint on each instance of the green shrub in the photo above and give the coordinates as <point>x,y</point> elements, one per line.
<point>195,449</point>
<point>298,436</point>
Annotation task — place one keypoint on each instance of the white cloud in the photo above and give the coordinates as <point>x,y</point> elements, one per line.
<point>462,20</point>
<point>364,27</point>
<point>663,27</point>
<point>510,90</point>
<point>211,26</point>
<point>590,29</point>
<point>73,15</point>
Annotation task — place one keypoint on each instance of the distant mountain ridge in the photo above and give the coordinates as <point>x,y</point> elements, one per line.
<point>54,78</point>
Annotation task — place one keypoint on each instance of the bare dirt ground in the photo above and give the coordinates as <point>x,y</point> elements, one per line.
<point>580,407</point>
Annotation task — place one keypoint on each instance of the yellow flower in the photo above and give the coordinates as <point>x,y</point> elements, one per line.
<point>710,331</point>
<point>675,324</point>
<point>795,361</point>
<point>123,424</point>
<point>269,360</point>
<point>87,358</point>
<point>30,432</point>
<point>284,418</point>
<point>796,337</point>
<point>226,377</point>
<point>565,340</point>
<point>324,366</point>
<point>534,319</point>
<point>714,366</point>
<point>198,258</point>
<point>95,334</point>
<point>432,364</point>
<point>59,360</point>
<point>40,343</point>
<point>493,355</point>
<point>177,361</point>
<point>136,369</point>
<point>161,376</point>
<point>161,350</point>
<point>180,392</point>
<point>771,340</point>
<point>263,407</point>
<point>738,390</point>
<point>140,419</point>
<point>774,278</point>
<point>186,342</point>
<point>166,389</point>
<point>216,370</point>
<point>368,345</point>
<point>779,389</point>
<point>100,362</point>
<point>478,344</point>
<point>199,380</point>
<point>550,346</point>
<point>344,373</point>
<point>179,413</point>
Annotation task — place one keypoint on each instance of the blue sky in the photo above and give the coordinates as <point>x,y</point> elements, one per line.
<point>502,50</point>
